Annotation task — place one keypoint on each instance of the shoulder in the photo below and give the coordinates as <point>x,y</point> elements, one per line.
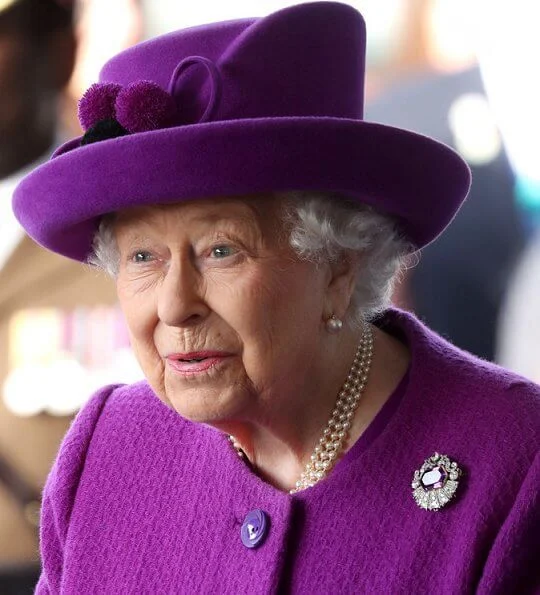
<point>116,428</point>
<point>460,379</point>
<point>72,453</point>
<point>110,417</point>
<point>483,415</point>
<point>487,419</point>
<point>117,400</point>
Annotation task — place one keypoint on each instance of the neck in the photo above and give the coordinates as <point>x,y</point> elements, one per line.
<point>280,448</point>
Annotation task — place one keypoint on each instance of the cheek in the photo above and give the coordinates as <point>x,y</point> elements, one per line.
<point>141,319</point>
<point>291,297</point>
<point>273,310</point>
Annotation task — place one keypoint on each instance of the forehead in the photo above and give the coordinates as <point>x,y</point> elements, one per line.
<point>261,212</point>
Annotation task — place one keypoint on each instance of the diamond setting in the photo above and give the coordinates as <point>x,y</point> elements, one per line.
<point>436,482</point>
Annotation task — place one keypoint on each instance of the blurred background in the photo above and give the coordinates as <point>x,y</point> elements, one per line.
<point>458,70</point>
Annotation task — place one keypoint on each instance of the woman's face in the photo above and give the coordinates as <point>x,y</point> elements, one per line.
<point>226,321</point>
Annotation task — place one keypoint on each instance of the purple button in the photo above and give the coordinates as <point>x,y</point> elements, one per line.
<point>254,528</point>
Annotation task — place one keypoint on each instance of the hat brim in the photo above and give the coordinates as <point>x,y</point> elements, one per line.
<point>413,178</point>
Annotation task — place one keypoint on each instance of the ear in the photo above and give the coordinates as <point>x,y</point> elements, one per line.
<point>341,283</point>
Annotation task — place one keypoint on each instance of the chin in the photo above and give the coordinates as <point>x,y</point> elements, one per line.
<point>211,406</point>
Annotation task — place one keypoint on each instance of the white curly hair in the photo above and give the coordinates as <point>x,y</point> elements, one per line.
<point>321,226</point>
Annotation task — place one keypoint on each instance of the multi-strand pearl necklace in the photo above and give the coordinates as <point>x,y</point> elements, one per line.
<point>336,431</point>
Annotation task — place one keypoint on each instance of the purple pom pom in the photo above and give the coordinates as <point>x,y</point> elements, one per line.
<point>98,104</point>
<point>145,106</point>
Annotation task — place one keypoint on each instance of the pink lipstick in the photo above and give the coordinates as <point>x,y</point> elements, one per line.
<point>195,362</point>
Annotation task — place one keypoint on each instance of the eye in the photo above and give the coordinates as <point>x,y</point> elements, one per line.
<point>222,251</point>
<point>141,257</point>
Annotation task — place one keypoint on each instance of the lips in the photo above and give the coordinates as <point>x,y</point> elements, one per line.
<point>195,362</point>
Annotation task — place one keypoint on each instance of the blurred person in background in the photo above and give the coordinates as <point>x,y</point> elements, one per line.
<point>37,53</point>
<point>509,71</point>
<point>519,325</point>
<point>459,284</point>
<point>37,43</point>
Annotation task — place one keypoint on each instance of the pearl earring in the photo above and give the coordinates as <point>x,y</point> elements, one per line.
<point>334,324</point>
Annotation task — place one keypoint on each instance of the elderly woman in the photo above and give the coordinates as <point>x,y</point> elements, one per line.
<point>293,434</point>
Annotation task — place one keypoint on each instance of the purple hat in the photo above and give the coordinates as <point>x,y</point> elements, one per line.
<point>237,108</point>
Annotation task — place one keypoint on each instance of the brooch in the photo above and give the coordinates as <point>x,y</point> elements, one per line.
<point>436,482</point>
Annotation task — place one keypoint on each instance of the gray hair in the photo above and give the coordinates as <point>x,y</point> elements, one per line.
<point>322,226</point>
<point>326,226</point>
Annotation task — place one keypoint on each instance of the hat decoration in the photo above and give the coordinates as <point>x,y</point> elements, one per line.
<point>108,110</point>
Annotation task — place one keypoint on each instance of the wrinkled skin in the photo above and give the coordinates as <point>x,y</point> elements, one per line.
<point>217,275</point>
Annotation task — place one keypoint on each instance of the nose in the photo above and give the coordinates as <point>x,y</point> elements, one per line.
<point>180,297</point>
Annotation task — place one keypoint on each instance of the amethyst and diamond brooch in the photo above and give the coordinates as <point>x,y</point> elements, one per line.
<point>436,482</point>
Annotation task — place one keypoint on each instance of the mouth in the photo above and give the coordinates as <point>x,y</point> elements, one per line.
<point>192,363</point>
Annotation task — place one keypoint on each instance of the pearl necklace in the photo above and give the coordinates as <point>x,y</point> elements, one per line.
<point>336,431</point>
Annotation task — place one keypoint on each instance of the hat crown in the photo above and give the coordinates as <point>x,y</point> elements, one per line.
<point>306,60</point>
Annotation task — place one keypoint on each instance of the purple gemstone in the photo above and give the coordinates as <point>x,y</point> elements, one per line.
<point>435,478</point>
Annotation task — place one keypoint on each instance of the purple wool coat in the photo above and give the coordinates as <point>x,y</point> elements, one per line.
<point>142,501</point>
